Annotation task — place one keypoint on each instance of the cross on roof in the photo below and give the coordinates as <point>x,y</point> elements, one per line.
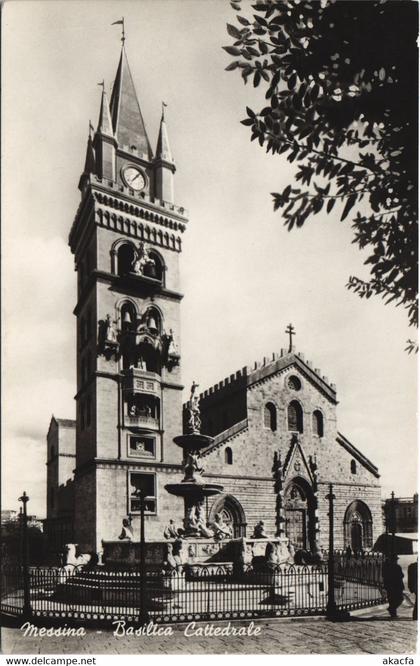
<point>291,331</point>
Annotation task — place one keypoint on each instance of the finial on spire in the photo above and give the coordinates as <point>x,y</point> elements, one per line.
<point>164,105</point>
<point>102,83</point>
<point>291,331</point>
<point>121,22</point>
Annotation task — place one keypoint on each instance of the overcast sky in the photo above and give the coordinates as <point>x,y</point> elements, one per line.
<point>244,276</point>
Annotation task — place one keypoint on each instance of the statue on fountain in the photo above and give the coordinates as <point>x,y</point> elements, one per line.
<point>194,420</point>
<point>259,531</point>
<point>220,529</point>
<point>171,531</point>
<point>192,466</point>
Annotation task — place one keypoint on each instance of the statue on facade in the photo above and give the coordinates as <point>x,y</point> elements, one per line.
<point>110,332</point>
<point>142,260</point>
<point>259,531</point>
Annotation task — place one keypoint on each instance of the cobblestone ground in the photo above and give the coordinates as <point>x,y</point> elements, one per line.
<point>370,632</point>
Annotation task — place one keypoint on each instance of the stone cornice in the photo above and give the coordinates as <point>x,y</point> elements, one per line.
<point>120,285</point>
<point>124,464</point>
<point>107,196</point>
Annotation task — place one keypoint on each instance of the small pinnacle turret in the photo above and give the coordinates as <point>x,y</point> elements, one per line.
<point>163,150</point>
<point>104,121</point>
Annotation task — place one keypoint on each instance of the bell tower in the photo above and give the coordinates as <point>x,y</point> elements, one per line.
<point>126,239</point>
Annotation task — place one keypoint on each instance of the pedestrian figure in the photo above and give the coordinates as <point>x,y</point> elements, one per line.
<point>412,585</point>
<point>392,576</point>
<point>348,552</point>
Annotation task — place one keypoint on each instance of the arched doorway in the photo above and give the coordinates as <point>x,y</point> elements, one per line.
<point>358,526</point>
<point>299,510</point>
<point>232,513</point>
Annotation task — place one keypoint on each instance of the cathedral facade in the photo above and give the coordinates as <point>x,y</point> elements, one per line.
<point>276,445</point>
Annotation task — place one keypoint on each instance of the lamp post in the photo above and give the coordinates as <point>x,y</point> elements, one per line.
<point>333,612</point>
<point>26,589</point>
<point>392,522</point>
<point>144,616</point>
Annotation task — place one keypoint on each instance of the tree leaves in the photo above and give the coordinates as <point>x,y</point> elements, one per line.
<point>329,95</point>
<point>349,205</point>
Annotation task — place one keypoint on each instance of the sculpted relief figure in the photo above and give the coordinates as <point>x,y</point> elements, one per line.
<point>110,332</point>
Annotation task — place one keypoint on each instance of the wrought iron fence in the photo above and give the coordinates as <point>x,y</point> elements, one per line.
<point>216,592</point>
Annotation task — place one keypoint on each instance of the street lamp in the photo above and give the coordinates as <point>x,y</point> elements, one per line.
<point>25,564</point>
<point>144,616</point>
<point>333,612</point>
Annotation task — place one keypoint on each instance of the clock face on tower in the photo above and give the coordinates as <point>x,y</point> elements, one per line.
<point>134,178</point>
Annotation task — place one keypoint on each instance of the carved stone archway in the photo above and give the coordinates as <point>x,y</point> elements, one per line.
<point>358,526</point>
<point>299,513</point>
<point>232,513</point>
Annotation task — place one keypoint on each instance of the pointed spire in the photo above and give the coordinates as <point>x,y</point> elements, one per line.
<point>104,122</point>
<point>127,120</point>
<point>90,161</point>
<point>163,150</point>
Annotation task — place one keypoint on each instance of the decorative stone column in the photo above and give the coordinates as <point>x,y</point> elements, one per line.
<point>278,489</point>
<point>314,470</point>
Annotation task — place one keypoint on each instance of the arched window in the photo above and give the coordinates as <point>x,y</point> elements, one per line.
<point>353,467</point>
<point>125,259</point>
<point>154,321</point>
<point>295,416</point>
<point>318,423</point>
<point>155,269</point>
<point>270,416</point>
<point>128,316</point>
<point>228,456</point>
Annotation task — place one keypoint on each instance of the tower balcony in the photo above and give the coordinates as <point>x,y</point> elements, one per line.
<point>142,421</point>
<point>137,380</point>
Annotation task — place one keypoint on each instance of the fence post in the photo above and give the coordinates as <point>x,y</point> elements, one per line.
<point>333,612</point>
<point>25,564</point>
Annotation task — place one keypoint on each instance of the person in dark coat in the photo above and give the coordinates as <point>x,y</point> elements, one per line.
<point>412,585</point>
<point>392,576</point>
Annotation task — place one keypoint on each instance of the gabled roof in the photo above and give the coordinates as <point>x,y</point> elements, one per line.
<point>279,363</point>
<point>344,442</point>
<point>261,371</point>
<point>127,120</point>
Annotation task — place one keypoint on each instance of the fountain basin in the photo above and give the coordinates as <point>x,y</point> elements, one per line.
<point>193,441</point>
<point>193,490</point>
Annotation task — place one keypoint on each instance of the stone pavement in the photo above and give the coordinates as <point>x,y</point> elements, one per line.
<point>370,632</point>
